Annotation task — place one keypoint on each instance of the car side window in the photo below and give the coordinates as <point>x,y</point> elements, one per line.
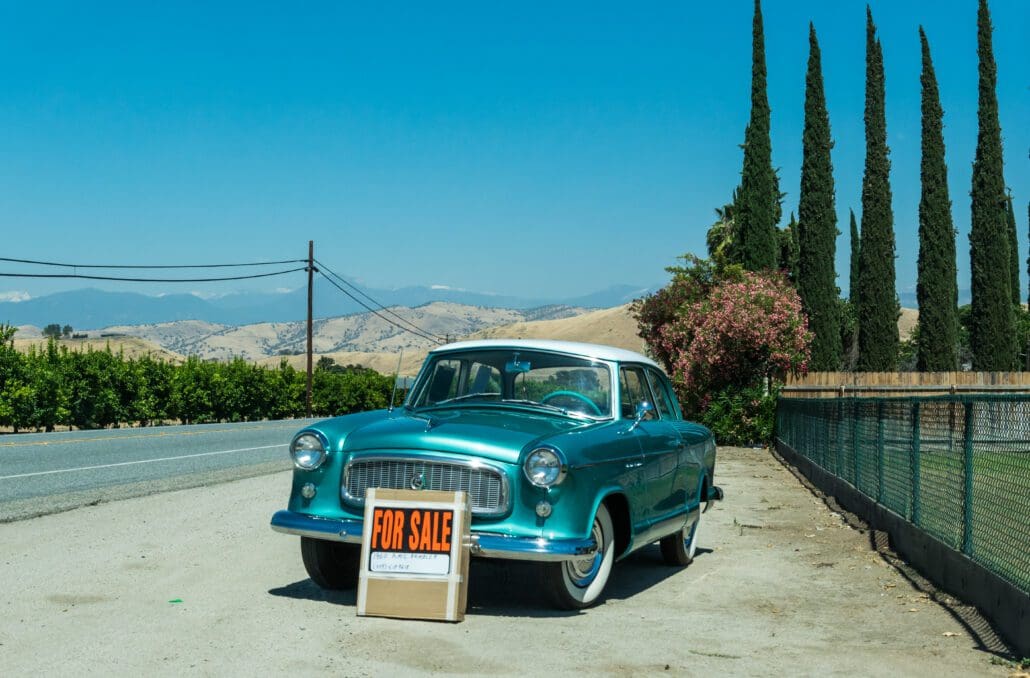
<point>633,391</point>
<point>662,396</point>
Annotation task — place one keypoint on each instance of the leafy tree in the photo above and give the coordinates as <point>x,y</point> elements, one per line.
<point>148,387</point>
<point>937,286</point>
<point>877,300</point>
<point>757,209</point>
<point>335,393</point>
<point>817,224</point>
<point>288,388</point>
<point>53,330</point>
<point>95,380</point>
<point>12,382</point>
<point>66,331</point>
<point>690,283</point>
<point>44,401</point>
<point>192,392</point>
<point>18,405</point>
<point>992,330</point>
<point>721,240</point>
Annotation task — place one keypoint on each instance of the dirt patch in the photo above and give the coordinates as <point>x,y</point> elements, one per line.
<point>196,581</point>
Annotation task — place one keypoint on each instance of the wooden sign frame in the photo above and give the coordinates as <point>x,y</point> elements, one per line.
<point>406,571</point>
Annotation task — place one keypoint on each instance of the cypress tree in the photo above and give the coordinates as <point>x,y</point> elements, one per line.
<point>1013,253</point>
<point>856,247</point>
<point>757,209</point>
<point>788,239</point>
<point>992,335</point>
<point>817,221</point>
<point>937,287</point>
<point>877,300</point>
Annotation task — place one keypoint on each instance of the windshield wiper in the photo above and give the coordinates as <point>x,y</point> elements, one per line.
<point>554,408</point>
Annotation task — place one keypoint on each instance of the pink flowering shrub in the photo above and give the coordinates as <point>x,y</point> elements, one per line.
<point>724,340</point>
<point>740,333</point>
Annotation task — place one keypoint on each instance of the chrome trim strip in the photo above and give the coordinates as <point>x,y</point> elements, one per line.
<point>473,464</point>
<point>330,529</point>
<point>487,545</point>
<point>483,544</point>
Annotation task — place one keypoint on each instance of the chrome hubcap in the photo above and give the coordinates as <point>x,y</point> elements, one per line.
<point>583,571</point>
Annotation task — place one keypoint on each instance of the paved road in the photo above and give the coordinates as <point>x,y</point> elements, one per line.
<point>48,472</point>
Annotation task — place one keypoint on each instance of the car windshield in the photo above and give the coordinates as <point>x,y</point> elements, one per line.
<point>551,381</point>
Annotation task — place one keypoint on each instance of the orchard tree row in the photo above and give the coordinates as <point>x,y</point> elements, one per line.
<point>53,386</point>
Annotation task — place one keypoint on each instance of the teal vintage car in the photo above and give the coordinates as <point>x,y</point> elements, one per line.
<point>574,455</point>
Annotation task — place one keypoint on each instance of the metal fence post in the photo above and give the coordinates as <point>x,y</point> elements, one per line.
<point>854,443</point>
<point>914,464</point>
<point>880,451</point>
<point>967,490</point>
<point>838,464</point>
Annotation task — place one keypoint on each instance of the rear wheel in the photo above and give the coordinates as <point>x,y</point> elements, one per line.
<point>576,584</point>
<point>330,564</point>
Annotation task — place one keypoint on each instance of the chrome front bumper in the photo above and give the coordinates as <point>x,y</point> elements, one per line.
<point>483,544</point>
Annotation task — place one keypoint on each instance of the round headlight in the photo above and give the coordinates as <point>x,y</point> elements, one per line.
<point>544,467</point>
<point>307,451</point>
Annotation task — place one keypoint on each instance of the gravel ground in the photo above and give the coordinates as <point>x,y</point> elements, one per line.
<point>195,582</point>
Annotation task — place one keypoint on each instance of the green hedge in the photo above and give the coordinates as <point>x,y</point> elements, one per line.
<point>54,386</point>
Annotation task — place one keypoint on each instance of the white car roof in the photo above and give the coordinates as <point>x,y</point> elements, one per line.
<point>596,351</point>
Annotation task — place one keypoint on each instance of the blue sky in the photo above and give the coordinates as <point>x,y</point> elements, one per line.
<point>538,149</point>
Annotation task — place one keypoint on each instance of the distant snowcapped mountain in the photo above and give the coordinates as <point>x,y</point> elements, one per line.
<point>92,308</point>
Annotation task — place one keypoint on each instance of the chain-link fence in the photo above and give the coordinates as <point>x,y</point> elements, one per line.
<point>958,467</point>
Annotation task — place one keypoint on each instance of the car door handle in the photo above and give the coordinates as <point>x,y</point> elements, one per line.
<point>634,464</point>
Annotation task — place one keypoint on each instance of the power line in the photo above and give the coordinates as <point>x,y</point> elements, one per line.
<point>150,280</point>
<point>381,307</point>
<point>418,332</point>
<point>139,266</point>
<point>401,323</point>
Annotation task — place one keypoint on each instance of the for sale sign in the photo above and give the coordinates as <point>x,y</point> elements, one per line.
<point>413,540</point>
<point>414,557</point>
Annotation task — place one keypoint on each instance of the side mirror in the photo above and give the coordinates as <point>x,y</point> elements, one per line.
<point>642,410</point>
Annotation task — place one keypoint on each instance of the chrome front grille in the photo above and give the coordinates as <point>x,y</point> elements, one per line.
<point>486,486</point>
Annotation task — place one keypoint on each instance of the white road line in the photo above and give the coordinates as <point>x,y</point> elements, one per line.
<point>142,461</point>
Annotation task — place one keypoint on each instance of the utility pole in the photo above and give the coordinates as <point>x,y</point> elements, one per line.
<point>311,277</point>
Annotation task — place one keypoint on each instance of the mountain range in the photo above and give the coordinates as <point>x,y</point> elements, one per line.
<point>95,309</point>
<point>358,332</point>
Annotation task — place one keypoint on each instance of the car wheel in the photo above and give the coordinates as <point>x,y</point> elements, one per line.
<point>576,584</point>
<point>679,548</point>
<point>330,564</point>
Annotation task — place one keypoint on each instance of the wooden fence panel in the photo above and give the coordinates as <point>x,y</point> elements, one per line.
<point>830,384</point>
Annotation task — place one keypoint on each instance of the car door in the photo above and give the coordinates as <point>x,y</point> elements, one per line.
<point>687,471</point>
<point>660,445</point>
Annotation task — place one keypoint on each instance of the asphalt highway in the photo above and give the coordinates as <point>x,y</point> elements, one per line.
<point>50,472</point>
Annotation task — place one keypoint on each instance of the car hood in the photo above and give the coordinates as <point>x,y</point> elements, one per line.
<point>480,432</point>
